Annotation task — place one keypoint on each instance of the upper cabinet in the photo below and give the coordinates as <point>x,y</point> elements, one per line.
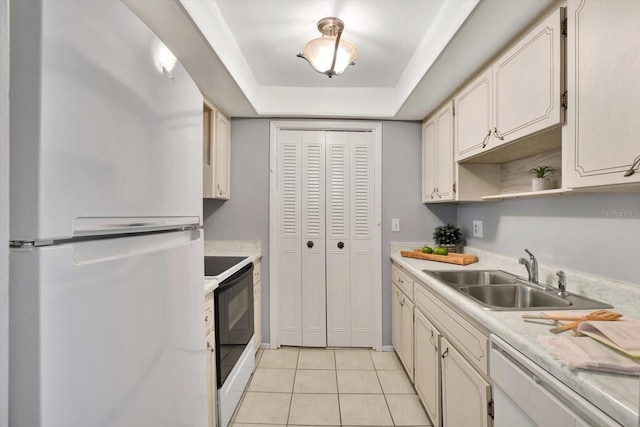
<point>520,95</point>
<point>437,156</point>
<point>474,114</point>
<point>602,138</point>
<point>528,83</point>
<point>216,153</point>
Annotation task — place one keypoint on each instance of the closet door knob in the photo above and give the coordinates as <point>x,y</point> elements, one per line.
<point>309,244</point>
<point>340,245</point>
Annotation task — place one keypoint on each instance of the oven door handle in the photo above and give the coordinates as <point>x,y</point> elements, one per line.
<point>236,277</point>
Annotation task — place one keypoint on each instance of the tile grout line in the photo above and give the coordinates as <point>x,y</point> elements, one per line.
<point>293,386</point>
<point>335,365</point>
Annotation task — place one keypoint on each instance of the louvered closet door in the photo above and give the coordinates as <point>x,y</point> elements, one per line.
<point>302,246</point>
<point>349,239</point>
<point>290,256</point>
<point>314,320</point>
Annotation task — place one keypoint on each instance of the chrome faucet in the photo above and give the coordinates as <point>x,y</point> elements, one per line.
<point>562,282</point>
<point>531,266</point>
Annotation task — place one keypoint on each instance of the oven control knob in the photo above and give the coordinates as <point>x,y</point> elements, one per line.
<point>309,244</point>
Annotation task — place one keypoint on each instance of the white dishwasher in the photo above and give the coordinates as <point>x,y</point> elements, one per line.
<point>525,395</point>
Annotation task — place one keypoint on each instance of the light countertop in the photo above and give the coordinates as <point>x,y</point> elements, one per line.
<point>252,250</point>
<point>616,395</point>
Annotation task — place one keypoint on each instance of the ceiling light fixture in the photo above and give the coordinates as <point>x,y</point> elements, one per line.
<point>330,54</point>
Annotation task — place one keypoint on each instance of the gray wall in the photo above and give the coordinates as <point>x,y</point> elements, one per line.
<point>4,212</point>
<point>401,198</point>
<point>246,215</point>
<point>593,233</point>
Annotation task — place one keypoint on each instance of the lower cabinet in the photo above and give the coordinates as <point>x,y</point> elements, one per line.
<point>402,328</point>
<point>465,393</point>
<point>427,366</point>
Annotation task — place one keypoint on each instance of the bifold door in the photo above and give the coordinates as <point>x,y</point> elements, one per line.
<point>326,219</point>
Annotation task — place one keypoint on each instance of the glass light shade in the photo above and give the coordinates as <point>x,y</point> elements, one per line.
<point>319,53</point>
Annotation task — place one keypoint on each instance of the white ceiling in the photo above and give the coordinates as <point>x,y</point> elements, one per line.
<point>412,53</point>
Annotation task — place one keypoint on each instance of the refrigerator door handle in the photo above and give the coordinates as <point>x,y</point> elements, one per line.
<point>102,226</point>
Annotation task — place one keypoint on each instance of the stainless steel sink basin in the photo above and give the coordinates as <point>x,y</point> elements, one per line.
<point>475,277</point>
<point>499,290</point>
<point>513,296</point>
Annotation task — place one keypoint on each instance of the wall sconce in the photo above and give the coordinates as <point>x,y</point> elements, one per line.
<point>330,54</point>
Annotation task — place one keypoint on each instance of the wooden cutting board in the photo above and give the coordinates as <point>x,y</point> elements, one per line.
<point>452,258</point>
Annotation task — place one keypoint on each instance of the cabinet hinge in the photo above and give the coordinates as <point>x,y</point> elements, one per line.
<point>564,103</point>
<point>453,111</point>
<point>563,28</point>
<point>454,187</point>
<point>490,408</point>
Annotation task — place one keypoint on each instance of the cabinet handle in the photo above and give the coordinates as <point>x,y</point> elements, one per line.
<point>309,244</point>
<point>446,353</point>
<point>432,343</point>
<point>633,167</point>
<point>219,189</point>
<point>340,245</point>
<point>486,138</point>
<point>210,347</point>
<point>498,134</point>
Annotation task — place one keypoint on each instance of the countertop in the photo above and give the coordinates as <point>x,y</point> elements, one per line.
<point>616,395</point>
<point>252,250</point>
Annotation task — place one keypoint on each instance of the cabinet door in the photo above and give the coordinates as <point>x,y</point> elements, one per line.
<point>222,157</point>
<point>603,130</point>
<point>396,319</point>
<point>473,120</point>
<point>465,393</point>
<point>429,130</point>
<point>427,366</point>
<point>257,319</point>
<point>406,332</point>
<point>444,154</point>
<point>528,83</point>
<point>211,380</point>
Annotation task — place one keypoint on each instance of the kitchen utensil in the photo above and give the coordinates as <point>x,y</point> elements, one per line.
<point>564,316</point>
<point>609,315</point>
<point>452,258</point>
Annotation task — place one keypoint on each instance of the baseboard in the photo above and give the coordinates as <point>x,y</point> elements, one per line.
<point>388,348</point>
<point>265,346</point>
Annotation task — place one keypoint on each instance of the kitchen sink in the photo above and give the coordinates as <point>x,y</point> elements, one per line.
<point>475,277</point>
<point>513,296</point>
<point>501,291</point>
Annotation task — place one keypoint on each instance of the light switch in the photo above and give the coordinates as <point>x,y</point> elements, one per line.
<point>395,224</point>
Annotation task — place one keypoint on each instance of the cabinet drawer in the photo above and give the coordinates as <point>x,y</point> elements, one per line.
<point>403,280</point>
<point>472,343</point>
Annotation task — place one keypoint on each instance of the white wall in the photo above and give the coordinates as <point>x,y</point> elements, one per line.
<point>246,215</point>
<point>593,233</point>
<point>4,211</point>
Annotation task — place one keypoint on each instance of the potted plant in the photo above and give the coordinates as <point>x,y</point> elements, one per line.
<point>448,236</point>
<point>540,177</point>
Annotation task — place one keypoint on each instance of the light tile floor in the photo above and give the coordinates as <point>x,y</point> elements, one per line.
<point>329,387</point>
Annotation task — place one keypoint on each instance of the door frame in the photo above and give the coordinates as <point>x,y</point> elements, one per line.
<point>274,228</point>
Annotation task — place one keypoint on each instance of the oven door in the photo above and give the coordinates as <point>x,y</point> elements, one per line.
<point>233,319</point>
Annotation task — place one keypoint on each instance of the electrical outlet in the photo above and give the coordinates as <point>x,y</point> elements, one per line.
<point>477,228</point>
<point>395,224</point>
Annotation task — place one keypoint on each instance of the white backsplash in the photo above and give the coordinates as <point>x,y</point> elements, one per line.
<point>232,246</point>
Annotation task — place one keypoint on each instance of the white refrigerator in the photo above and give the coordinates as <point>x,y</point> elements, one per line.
<point>106,262</point>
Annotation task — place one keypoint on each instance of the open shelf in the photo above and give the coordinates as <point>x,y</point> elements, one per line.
<point>553,192</point>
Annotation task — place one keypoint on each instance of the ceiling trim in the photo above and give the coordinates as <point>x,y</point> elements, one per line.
<point>352,102</point>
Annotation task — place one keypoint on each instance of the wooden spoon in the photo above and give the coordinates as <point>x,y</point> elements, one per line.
<point>609,315</point>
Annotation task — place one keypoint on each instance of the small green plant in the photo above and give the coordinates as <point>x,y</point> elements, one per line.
<point>447,235</point>
<point>542,171</point>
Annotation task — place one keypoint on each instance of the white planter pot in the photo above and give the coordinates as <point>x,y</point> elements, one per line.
<point>539,184</point>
